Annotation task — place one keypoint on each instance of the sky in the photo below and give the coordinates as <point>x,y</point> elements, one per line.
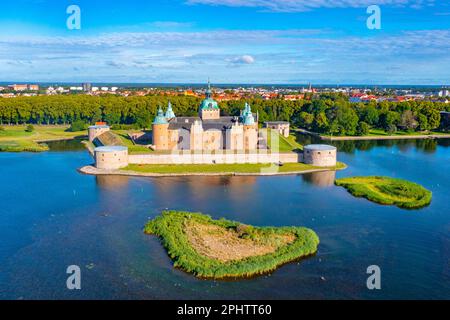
<point>228,41</point>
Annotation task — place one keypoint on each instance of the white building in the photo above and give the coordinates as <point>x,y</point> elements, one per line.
<point>444,93</point>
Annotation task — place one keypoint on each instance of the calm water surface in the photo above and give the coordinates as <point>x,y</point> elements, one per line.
<point>52,217</point>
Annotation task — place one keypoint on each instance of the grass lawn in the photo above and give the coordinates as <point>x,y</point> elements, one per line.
<point>16,139</point>
<point>222,168</point>
<point>288,144</point>
<point>132,148</point>
<point>388,191</point>
<point>218,249</point>
<point>380,132</point>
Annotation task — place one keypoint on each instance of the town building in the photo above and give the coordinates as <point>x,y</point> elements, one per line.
<point>208,132</point>
<point>24,87</point>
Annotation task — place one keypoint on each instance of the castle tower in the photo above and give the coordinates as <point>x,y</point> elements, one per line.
<point>160,131</point>
<point>197,136</point>
<point>250,129</point>
<point>209,109</point>
<point>169,113</point>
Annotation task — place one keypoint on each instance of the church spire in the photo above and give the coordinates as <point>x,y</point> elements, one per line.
<point>208,91</point>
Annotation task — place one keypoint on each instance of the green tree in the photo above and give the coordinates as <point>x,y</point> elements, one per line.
<point>363,129</point>
<point>408,121</point>
<point>321,122</point>
<point>306,119</point>
<point>423,122</point>
<point>389,119</point>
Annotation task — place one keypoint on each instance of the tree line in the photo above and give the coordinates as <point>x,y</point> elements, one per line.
<point>326,113</point>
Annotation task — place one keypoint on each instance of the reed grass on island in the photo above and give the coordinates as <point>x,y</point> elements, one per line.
<point>226,169</point>
<point>220,249</point>
<point>388,191</point>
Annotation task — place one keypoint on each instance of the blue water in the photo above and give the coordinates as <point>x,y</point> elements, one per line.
<point>52,217</point>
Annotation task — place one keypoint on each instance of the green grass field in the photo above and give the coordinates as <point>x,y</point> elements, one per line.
<point>388,191</point>
<point>132,148</point>
<point>219,249</point>
<point>289,144</point>
<point>379,132</point>
<point>16,139</point>
<point>224,168</point>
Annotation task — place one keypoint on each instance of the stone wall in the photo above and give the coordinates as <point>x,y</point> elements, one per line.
<point>210,114</point>
<point>217,158</point>
<point>96,131</point>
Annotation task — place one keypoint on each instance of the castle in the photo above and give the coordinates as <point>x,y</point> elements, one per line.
<point>208,132</point>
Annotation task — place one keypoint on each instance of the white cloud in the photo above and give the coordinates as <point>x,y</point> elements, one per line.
<point>306,5</point>
<point>190,56</point>
<point>245,59</point>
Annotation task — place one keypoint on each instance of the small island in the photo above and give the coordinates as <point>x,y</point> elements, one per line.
<point>388,191</point>
<point>220,249</point>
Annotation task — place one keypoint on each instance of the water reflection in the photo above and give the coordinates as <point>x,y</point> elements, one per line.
<point>422,145</point>
<point>197,188</point>
<point>66,145</point>
<point>320,179</point>
<point>112,182</point>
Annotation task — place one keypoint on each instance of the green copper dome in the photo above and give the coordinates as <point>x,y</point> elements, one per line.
<point>169,113</point>
<point>247,110</point>
<point>247,116</point>
<point>209,102</point>
<point>160,118</point>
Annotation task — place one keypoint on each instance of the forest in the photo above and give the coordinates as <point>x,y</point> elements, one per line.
<point>326,113</point>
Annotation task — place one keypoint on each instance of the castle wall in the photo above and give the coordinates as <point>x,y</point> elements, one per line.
<point>210,114</point>
<point>216,158</point>
<point>250,137</point>
<point>96,131</point>
<point>196,136</point>
<point>212,140</point>
<point>235,138</point>
<point>173,139</point>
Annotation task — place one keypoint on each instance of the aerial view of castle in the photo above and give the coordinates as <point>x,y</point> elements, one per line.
<point>209,131</point>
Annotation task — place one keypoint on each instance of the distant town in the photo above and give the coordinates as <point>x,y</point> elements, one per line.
<point>229,93</point>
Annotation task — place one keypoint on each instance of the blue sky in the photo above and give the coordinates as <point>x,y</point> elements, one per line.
<point>230,41</point>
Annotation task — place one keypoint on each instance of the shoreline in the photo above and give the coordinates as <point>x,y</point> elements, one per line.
<point>91,170</point>
<point>374,137</point>
<point>406,137</point>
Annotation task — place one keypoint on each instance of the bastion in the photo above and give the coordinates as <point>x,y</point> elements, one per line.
<point>320,155</point>
<point>111,157</point>
<point>97,130</point>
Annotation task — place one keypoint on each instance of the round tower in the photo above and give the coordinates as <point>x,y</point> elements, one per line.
<point>320,155</point>
<point>160,128</point>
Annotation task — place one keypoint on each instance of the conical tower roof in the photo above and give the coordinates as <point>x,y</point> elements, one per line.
<point>169,113</point>
<point>160,117</point>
